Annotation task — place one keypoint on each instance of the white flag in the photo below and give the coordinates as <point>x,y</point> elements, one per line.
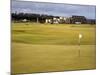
<point>80,36</point>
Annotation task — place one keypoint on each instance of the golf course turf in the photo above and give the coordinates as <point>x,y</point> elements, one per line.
<point>52,47</point>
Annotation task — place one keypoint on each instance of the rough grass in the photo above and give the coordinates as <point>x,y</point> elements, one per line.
<point>45,47</point>
<point>53,34</point>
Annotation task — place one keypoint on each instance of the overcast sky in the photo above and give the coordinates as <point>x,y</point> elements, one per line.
<point>54,9</point>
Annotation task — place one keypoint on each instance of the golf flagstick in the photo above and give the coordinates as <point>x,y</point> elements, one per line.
<point>79,48</point>
<point>80,36</point>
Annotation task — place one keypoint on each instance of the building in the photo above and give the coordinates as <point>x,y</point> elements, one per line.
<point>91,21</point>
<point>78,19</point>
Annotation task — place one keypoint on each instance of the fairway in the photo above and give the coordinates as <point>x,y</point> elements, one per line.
<point>52,47</point>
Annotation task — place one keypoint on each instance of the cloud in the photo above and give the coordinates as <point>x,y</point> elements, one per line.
<point>53,8</point>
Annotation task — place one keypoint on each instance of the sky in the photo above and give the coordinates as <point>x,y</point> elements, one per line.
<point>55,9</point>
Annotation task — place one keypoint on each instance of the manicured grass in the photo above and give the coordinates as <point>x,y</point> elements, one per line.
<point>28,58</point>
<point>51,47</point>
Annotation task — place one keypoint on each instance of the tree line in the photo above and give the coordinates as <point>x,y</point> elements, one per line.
<point>30,17</point>
<point>41,18</point>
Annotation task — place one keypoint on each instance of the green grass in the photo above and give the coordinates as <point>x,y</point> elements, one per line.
<point>51,47</point>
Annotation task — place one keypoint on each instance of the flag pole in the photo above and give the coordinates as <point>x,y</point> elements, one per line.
<point>79,43</point>
<point>79,47</point>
